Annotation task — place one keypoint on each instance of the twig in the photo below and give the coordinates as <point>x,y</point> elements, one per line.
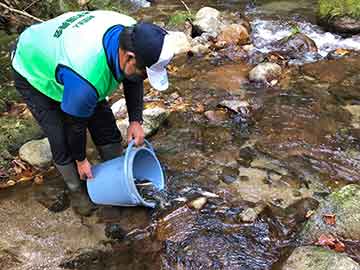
<point>34,2</point>
<point>23,13</point>
<point>186,6</point>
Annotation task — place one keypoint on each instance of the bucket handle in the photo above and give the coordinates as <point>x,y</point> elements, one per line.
<point>127,153</point>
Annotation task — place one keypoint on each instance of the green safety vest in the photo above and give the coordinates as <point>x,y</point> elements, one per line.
<point>74,40</point>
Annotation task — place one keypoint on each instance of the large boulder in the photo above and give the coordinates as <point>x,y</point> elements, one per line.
<point>318,258</point>
<point>207,19</point>
<point>345,206</point>
<point>340,16</point>
<point>36,153</point>
<point>179,42</point>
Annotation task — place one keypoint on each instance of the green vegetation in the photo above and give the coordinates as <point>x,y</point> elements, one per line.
<point>180,17</point>
<point>14,133</point>
<point>334,8</point>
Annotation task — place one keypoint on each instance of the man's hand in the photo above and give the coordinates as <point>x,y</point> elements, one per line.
<point>84,169</point>
<point>136,131</point>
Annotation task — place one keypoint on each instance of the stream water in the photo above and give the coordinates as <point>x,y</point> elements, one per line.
<point>298,142</point>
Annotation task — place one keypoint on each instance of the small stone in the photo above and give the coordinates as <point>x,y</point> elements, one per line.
<point>250,214</point>
<point>216,116</point>
<point>198,203</point>
<point>265,73</point>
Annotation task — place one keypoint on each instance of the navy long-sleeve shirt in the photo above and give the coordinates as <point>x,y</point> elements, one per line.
<point>80,98</point>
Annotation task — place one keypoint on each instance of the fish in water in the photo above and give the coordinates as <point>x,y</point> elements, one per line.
<point>151,194</point>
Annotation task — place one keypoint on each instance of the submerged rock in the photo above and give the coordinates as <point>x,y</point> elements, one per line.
<point>345,206</point>
<point>340,16</point>
<point>207,19</point>
<point>36,153</point>
<point>318,258</point>
<point>265,73</point>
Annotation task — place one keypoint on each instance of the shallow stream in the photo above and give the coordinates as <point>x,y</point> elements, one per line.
<point>296,143</point>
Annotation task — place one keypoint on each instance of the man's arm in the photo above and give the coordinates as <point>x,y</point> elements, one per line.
<point>134,96</point>
<point>78,103</point>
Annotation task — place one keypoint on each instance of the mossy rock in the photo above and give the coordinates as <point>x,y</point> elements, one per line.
<point>14,133</point>
<point>345,205</point>
<point>342,16</point>
<point>319,258</point>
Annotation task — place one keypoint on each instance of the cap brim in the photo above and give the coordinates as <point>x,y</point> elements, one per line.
<point>157,73</point>
<point>158,79</point>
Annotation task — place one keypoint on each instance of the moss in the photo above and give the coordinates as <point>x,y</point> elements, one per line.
<point>346,196</point>
<point>334,8</point>
<point>179,18</point>
<point>15,132</point>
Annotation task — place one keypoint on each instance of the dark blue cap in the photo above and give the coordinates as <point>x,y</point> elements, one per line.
<point>148,41</point>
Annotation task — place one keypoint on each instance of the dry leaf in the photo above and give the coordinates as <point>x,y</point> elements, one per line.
<point>331,242</point>
<point>39,179</point>
<point>329,219</point>
<point>341,52</point>
<point>10,183</point>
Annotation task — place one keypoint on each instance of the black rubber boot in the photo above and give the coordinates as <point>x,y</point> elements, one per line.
<point>80,200</point>
<point>110,151</point>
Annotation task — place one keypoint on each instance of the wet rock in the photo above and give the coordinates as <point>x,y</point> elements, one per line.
<point>297,43</point>
<point>229,175</point>
<point>251,214</point>
<point>36,153</point>
<point>153,119</point>
<point>355,111</point>
<point>318,258</point>
<point>82,258</point>
<point>179,42</point>
<point>234,34</point>
<point>198,203</point>
<point>53,197</point>
<point>265,73</point>
<point>114,231</point>
<point>345,205</point>
<point>255,185</point>
<point>230,78</point>
<point>237,106</point>
<point>216,116</point>
<point>340,16</point>
<point>207,19</point>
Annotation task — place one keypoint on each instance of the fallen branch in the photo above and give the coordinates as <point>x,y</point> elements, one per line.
<point>186,6</point>
<point>23,13</point>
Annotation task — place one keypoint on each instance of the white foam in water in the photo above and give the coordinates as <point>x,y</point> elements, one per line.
<point>267,32</point>
<point>141,3</point>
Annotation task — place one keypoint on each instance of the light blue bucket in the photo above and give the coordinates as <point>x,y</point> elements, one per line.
<point>113,182</point>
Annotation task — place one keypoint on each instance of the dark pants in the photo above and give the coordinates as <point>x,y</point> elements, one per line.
<point>47,112</point>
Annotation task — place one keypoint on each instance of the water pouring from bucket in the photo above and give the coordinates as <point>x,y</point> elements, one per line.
<point>114,180</point>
